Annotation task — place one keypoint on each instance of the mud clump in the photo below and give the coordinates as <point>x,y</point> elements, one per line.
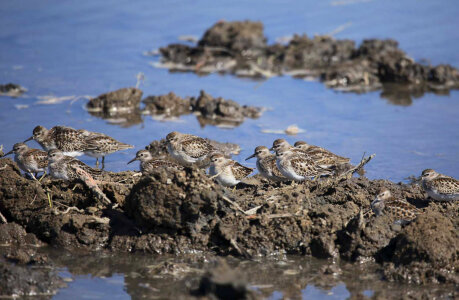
<point>11,89</point>
<point>120,106</point>
<point>208,110</point>
<point>240,48</point>
<point>182,211</point>
<point>419,252</point>
<point>23,270</point>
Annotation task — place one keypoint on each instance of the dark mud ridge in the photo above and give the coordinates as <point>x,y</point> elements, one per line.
<point>123,107</point>
<point>240,48</point>
<point>11,89</point>
<point>184,211</point>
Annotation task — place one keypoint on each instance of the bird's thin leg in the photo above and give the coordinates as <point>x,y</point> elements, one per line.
<point>103,162</point>
<point>49,200</point>
<point>234,189</point>
<point>44,173</point>
<point>97,162</point>
<point>33,176</point>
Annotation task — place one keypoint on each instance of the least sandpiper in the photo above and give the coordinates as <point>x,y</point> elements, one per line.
<point>266,164</point>
<point>227,172</point>
<point>29,160</point>
<point>400,211</point>
<point>66,139</point>
<point>65,167</point>
<point>321,156</point>
<point>284,145</point>
<point>440,187</point>
<point>188,149</point>
<point>100,145</point>
<point>298,167</point>
<point>148,163</point>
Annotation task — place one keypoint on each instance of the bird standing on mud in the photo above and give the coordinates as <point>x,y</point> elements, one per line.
<point>188,149</point>
<point>73,142</point>
<point>31,161</point>
<point>399,211</point>
<point>266,164</point>
<point>227,172</point>
<point>440,187</point>
<point>148,163</point>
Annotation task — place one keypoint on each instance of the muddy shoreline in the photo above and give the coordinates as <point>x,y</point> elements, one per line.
<point>126,107</point>
<point>181,212</point>
<point>240,48</point>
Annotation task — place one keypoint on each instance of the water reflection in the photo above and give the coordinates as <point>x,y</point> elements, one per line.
<point>403,94</point>
<point>293,277</point>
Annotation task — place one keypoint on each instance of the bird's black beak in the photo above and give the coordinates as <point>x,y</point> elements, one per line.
<point>134,159</point>
<point>271,149</point>
<point>251,156</point>
<point>8,153</point>
<point>29,139</point>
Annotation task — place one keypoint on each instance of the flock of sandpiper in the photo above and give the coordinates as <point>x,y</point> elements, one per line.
<point>296,163</point>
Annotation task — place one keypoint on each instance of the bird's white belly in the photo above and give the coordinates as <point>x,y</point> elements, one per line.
<point>288,172</point>
<point>180,156</point>
<point>74,153</point>
<point>58,173</point>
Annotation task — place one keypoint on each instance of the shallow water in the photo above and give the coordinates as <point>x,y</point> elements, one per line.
<point>53,48</point>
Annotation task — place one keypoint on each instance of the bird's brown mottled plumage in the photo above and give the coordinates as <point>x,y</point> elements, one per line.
<point>29,160</point>
<point>266,164</point>
<point>65,167</point>
<point>148,164</point>
<point>440,187</point>
<point>397,210</point>
<point>321,155</point>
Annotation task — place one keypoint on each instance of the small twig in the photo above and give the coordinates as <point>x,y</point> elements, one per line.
<point>4,167</point>
<point>2,218</point>
<point>216,175</point>
<point>273,216</point>
<point>95,219</point>
<point>91,184</point>
<point>234,204</point>
<point>57,212</point>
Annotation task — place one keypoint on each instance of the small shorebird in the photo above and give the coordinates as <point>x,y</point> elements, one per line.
<point>320,155</point>
<point>298,167</point>
<point>100,145</point>
<point>284,145</point>
<point>65,167</point>
<point>440,187</point>
<point>30,160</point>
<point>400,211</point>
<point>148,163</point>
<point>266,164</point>
<point>66,139</point>
<point>188,149</point>
<point>227,172</point>
<point>73,142</point>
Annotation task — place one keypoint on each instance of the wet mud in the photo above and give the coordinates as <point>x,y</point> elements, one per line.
<point>184,211</point>
<point>208,110</point>
<point>11,90</point>
<point>240,48</point>
<point>123,107</point>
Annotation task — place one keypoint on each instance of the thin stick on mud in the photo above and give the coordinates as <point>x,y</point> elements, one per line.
<point>3,219</point>
<point>92,185</point>
<point>355,169</point>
